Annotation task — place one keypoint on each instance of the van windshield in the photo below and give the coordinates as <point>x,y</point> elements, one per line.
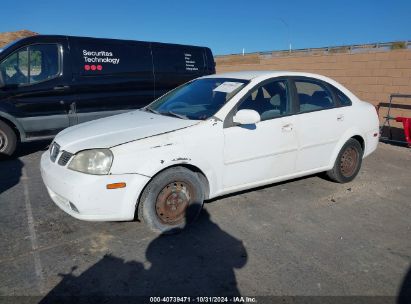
<point>9,44</point>
<point>199,99</point>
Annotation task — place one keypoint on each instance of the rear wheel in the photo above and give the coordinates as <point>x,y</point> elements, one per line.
<point>172,200</point>
<point>348,162</point>
<point>8,139</point>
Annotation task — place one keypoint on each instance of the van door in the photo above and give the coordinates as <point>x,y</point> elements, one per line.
<point>175,65</point>
<point>38,91</point>
<point>110,76</point>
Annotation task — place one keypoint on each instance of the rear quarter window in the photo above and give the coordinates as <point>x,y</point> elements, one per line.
<point>344,100</point>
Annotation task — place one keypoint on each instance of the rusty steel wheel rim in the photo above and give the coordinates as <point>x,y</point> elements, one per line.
<point>3,141</point>
<point>349,161</point>
<point>172,202</point>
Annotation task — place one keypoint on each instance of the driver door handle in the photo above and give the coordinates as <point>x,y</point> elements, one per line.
<point>61,87</point>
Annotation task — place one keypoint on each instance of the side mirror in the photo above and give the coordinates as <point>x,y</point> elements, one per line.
<point>246,117</point>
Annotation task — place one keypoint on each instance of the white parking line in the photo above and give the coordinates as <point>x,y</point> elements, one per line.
<point>33,238</point>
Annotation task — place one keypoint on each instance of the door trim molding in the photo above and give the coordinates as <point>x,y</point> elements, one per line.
<point>259,156</point>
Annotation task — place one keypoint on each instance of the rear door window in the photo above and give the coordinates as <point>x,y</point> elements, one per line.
<point>313,96</point>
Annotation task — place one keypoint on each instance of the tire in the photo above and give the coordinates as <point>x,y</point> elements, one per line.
<point>171,201</point>
<point>348,162</point>
<point>8,140</point>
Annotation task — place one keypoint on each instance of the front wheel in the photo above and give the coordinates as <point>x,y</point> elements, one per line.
<point>8,139</point>
<point>348,162</point>
<point>171,201</point>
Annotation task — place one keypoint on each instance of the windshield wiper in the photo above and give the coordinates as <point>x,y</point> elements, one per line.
<point>170,113</point>
<point>148,109</point>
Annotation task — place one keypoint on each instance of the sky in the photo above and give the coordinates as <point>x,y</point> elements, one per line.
<point>225,26</point>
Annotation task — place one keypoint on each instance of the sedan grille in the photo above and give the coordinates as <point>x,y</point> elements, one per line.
<point>64,158</point>
<point>54,151</point>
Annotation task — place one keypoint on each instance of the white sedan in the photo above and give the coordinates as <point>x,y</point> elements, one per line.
<point>212,136</point>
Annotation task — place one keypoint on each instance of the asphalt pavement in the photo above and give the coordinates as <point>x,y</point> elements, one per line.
<point>305,237</point>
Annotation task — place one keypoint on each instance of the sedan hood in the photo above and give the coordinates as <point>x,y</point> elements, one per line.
<point>118,129</point>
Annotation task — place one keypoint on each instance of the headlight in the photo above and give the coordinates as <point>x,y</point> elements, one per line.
<point>97,161</point>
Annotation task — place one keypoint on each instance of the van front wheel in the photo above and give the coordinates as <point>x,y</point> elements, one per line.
<point>8,139</point>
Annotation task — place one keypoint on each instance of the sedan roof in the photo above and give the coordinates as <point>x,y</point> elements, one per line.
<point>262,75</point>
<point>248,75</point>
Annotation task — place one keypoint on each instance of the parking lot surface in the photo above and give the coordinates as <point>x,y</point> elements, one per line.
<point>304,237</point>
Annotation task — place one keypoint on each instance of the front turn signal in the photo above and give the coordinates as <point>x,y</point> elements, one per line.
<point>116,186</point>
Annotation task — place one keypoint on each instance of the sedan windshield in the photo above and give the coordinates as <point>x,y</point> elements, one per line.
<point>199,99</point>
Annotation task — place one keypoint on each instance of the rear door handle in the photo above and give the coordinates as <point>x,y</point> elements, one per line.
<point>340,117</point>
<point>287,128</point>
<point>61,87</point>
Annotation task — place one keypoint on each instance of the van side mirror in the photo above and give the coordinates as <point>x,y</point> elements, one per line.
<point>246,117</point>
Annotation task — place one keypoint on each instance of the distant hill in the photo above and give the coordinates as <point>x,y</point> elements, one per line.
<point>8,37</point>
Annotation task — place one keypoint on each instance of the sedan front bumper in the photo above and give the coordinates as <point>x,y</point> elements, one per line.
<point>86,197</point>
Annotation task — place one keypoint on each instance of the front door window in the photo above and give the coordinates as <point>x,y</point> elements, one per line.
<point>31,65</point>
<point>14,68</point>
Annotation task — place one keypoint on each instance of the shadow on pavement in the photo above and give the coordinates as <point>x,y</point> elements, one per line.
<point>10,173</point>
<point>26,149</point>
<point>11,167</point>
<point>197,261</point>
<point>276,184</point>
<point>404,295</point>
<point>32,147</point>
